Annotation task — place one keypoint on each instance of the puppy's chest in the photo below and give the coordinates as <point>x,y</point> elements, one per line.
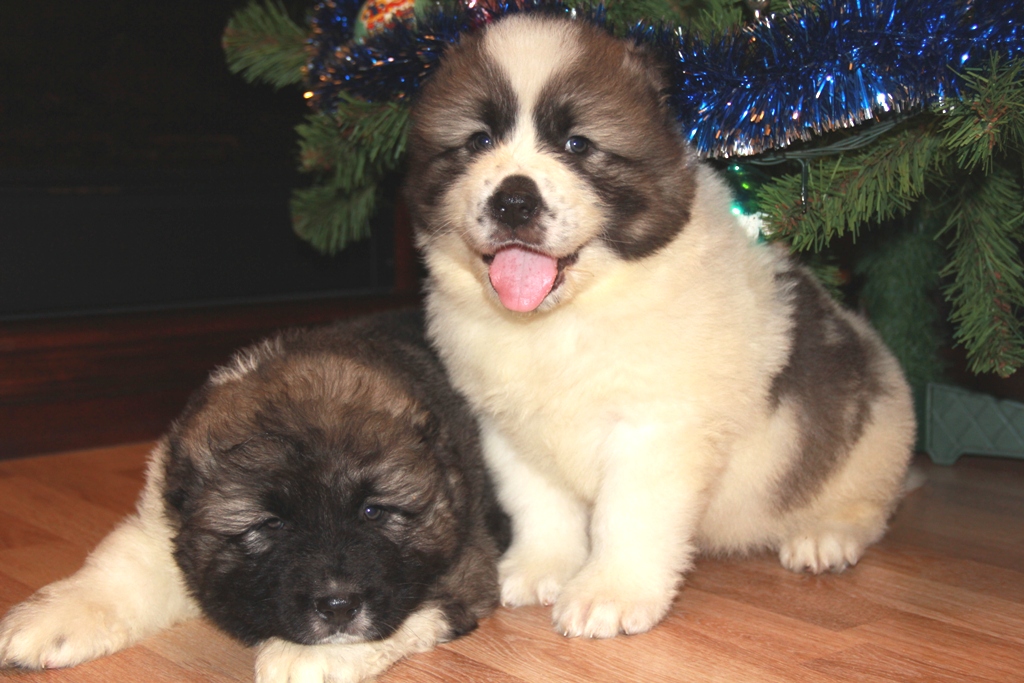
<point>555,402</point>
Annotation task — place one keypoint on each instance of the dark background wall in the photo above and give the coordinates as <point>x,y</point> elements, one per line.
<point>144,228</point>
<point>106,240</point>
<point>137,172</point>
<point>141,84</point>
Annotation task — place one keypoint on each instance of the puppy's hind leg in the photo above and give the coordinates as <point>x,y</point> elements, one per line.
<point>852,512</point>
<point>129,588</point>
<point>828,547</point>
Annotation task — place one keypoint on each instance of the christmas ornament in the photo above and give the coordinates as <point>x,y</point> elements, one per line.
<point>757,7</point>
<point>376,16</point>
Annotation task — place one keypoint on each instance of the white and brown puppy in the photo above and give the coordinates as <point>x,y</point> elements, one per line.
<point>323,497</point>
<point>650,382</point>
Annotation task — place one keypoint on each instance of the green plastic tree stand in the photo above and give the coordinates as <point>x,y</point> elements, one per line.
<point>960,421</point>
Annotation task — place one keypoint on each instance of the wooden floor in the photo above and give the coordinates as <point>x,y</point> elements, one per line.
<point>940,599</point>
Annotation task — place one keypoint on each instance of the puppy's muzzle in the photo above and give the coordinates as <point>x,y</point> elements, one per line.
<point>515,206</point>
<point>338,611</point>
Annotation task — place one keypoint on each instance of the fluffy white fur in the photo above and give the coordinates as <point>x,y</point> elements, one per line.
<point>627,419</point>
<point>129,588</point>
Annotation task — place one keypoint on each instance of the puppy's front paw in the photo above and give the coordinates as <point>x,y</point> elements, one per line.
<point>820,551</point>
<point>601,603</point>
<point>279,661</point>
<point>530,578</point>
<point>58,628</point>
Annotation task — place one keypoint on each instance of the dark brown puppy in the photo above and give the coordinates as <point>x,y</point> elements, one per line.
<point>321,496</point>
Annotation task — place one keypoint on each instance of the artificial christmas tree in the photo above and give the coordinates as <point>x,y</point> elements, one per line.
<point>891,128</point>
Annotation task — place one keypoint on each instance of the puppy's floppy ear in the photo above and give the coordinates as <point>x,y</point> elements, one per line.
<point>183,478</point>
<point>429,427</point>
<point>435,434</point>
<point>445,440</point>
<point>649,68</point>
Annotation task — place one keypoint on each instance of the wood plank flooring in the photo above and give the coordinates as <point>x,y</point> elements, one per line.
<point>941,598</point>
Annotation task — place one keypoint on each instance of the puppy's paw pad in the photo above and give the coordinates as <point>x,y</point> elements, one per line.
<point>532,581</point>
<point>820,552</point>
<point>597,609</point>
<point>52,634</point>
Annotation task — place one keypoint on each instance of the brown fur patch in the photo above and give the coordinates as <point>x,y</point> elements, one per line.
<point>448,112</point>
<point>641,168</point>
<point>831,380</point>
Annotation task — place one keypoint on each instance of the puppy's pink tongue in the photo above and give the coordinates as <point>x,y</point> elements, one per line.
<point>522,278</point>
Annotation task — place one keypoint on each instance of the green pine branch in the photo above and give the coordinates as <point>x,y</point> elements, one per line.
<point>985,208</point>
<point>963,161</point>
<point>707,18</point>
<point>350,151</point>
<point>986,218</point>
<point>622,13</point>
<point>992,120</point>
<point>328,219</point>
<point>262,43</point>
<point>901,277</point>
<point>847,192</point>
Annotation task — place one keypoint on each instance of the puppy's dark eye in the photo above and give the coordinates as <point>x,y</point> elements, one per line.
<point>577,144</point>
<point>480,142</point>
<point>372,513</point>
<point>272,523</point>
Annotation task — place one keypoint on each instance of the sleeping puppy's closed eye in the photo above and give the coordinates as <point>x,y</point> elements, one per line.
<point>322,496</point>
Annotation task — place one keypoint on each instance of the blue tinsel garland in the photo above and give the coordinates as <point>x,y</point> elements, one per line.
<point>810,72</point>
<point>785,78</point>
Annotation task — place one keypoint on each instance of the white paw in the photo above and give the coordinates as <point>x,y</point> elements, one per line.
<point>55,629</point>
<point>600,604</point>
<point>279,661</point>
<point>828,550</point>
<point>531,578</point>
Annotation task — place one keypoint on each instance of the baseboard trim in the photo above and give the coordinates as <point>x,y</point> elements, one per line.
<point>98,380</point>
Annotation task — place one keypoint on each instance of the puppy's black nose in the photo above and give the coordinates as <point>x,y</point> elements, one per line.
<point>338,610</point>
<point>515,202</point>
